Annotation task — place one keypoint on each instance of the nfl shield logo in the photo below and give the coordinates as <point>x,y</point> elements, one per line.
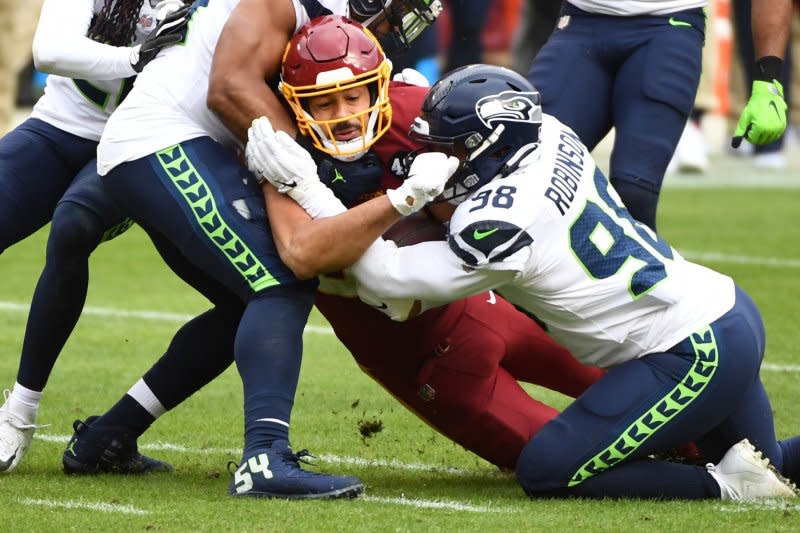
<point>563,22</point>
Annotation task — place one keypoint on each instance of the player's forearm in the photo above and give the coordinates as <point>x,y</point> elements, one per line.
<point>427,271</point>
<point>312,247</point>
<point>61,47</point>
<point>238,101</point>
<point>771,26</point>
<point>247,55</point>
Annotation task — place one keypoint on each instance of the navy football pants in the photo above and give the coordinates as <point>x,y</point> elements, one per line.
<point>206,214</point>
<point>636,74</point>
<point>706,388</point>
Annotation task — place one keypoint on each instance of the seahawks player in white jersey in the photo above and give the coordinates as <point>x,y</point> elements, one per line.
<point>639,62</point>
<point>533,218</point>
<point>92,50</point>
<point>167,158</point>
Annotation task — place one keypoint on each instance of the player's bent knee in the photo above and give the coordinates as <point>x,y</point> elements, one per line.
<point>542,467</point>
<point>74,230</point>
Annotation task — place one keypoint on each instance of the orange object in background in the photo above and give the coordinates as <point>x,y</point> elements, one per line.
<point>501,25</point>
<point>723,34</point>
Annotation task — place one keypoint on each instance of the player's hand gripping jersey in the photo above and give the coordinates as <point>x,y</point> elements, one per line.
<point>555,240</point>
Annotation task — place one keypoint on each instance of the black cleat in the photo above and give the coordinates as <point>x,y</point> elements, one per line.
<point>103,449</point>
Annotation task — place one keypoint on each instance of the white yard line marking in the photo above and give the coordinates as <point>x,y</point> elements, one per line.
<point>438,504</point>
<point>766,505</point>
<point>780,368</point>
<point>741,259</point>
<point>157,316</point>
<point>91,506</point>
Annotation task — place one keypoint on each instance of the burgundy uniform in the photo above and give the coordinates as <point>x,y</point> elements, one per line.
<point>455,366</point>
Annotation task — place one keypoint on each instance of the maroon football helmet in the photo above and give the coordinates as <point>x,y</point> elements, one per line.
<point>330,54</point>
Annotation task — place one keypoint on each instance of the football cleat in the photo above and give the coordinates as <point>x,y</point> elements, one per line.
<point>744,474</point>
<point>101,449</point>
<point>15,438</point>
<point>275,472</point>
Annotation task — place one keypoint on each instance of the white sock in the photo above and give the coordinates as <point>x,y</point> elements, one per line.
<point>24,403</point>
<point>145,397</point>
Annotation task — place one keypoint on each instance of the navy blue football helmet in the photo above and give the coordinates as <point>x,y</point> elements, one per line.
<point>407,18</point>
<point>484,115</point>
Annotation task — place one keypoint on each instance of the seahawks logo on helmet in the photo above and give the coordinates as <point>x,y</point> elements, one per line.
<point>509,106</point>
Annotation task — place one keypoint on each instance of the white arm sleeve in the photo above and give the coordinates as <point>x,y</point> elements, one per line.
<point>427,271</point>
<point>61,46</point>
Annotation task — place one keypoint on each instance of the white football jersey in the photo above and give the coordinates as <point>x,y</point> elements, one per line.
<point>168,102</point>
<point>554,239</point>
<point>637,7</point>
<point>81,106</point>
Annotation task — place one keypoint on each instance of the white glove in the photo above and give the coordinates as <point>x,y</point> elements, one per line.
<point>412,77</point>
<point>426,180</point>
<point>165,7</point>
<point>277,158</point>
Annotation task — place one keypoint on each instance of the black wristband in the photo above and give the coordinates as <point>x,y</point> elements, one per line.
<point>768,68</point>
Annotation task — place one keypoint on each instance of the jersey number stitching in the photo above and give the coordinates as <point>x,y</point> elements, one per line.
<point>603,248</point>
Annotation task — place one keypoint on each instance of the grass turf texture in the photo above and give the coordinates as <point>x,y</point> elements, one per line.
<point>416,479</point>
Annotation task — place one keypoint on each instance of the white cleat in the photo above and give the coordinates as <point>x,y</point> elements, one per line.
<point>16,434</point>
<point>15,439</point>
<point>744,474</point>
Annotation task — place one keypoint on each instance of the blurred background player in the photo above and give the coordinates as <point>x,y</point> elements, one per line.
<point>639,64</point>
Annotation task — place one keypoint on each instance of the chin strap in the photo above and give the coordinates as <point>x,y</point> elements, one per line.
<point>524,156</point>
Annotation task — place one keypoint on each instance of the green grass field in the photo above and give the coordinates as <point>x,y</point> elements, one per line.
<point>416,479</point>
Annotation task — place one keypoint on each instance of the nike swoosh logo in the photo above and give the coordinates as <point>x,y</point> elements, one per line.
<point>679,23</point>
<point>478,235</point>
<point>382,306</point>
<point>492,299</point>
<point>775,107</point>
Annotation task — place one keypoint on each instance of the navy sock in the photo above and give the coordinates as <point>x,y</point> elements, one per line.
<point>127,415</point>
<point>268,351</point>
<point>60,293</point>
<point>199,352</point>
<point>790,449</point>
